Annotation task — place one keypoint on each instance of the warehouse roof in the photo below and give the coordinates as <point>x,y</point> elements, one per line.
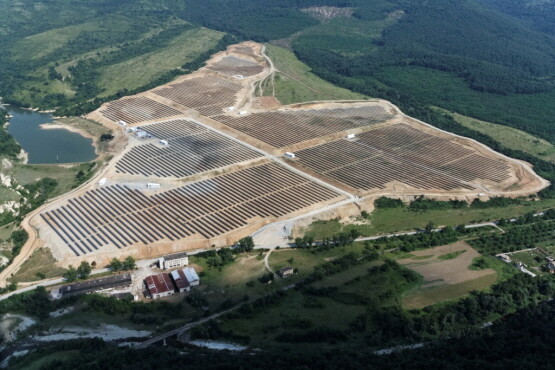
<point>175,256</point>
<point>158,284</point>
<point>95,285</point>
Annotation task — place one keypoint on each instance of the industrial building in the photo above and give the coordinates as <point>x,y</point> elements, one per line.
<point>103,284</point>
<point>191,276</point>
<point>180,281</point>
<point>160,285</point>
<point>166,284</point>
<point>173,260</point>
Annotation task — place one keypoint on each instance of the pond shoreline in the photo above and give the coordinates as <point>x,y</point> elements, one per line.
<point>45,140</point>
<point>64,126</point>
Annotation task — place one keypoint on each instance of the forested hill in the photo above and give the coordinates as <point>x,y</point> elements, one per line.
<point>537,13</point>
<point>489,59</point>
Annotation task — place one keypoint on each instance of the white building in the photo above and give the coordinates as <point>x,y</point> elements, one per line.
<point>153,185</point>
<point>173,260</point>
<point>102,181</point>
<point>351,136</point>
<point>164,142</point>
<point>141,134</point>
<point>123,123</point>
<point>289,155</point>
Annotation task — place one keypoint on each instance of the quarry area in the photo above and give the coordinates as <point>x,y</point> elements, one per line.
<point>206,162</point>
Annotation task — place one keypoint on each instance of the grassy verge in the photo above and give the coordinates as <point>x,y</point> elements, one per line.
<point>509,137</point>
<point>39,266</point>
<point>298,84</point>
<point>390,220</point>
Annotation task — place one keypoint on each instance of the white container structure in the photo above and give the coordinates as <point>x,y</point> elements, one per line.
<point>351,136</point>
<point>102,181</point>
<point>122,123</point>
<point>153,185</point>
<point>289,155</point>
<point>164,142</point>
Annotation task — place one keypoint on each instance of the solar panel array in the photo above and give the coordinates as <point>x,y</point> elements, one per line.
<point>404,154</point>
<point>286,127</point>
<point>231,66</point>
<point>137,109</point>
<point>192,149</point>
<point>208,95</point>
<point>119,216</point>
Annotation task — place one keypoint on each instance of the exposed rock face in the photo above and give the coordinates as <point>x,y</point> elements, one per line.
<point>328,12</point>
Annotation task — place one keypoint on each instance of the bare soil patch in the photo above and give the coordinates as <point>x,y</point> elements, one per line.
<point>445,278</point>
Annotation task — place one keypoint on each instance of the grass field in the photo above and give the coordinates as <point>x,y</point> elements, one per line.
<point>444,257</point>
<point>390,220</point>
<point>300,312</point>
<point>41,261</point>
<point>65,175</point>
<point>509,137</point>
<point>425,298</point>
<point>139,71</point>
<point>45,43</point>
<point>446,274</point>
<point>297,83</point>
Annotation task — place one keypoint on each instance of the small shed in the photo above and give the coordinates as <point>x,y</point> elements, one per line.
<point>122,123</point>
<point>153,185</point>
<point>289,155</point>
<point>286,271</point>
<point>102,181</point>
<point>351,136</point>
<point>164,142</point>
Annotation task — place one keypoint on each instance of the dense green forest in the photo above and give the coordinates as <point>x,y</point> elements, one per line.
<point>8,146</point>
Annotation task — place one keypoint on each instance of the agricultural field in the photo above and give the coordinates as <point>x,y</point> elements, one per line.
<point>446,274</point>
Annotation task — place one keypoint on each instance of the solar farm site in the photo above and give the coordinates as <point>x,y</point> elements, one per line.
<point>204,166</point>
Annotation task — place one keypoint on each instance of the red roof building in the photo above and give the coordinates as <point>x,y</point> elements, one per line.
<point>159,285</point>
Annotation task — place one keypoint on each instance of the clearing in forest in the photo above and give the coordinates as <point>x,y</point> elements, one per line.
<point>446,274</point>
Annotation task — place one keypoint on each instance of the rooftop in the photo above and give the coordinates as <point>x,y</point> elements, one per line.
<point>190,274</point>
<point>180,279</point>
<point>95,284</point>
<point>175,256</point>
<point>158,284</point>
